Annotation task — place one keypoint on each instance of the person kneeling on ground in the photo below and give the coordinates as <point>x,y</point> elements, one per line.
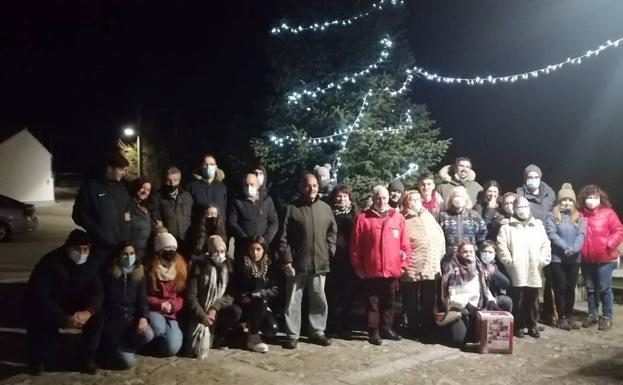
<point>166,278</point>
<point>498,282</point>
<point>464,292</point>
<point>210,301</point>
<point>255,285</point>
<point>125,310</point>
<point>64,291</point>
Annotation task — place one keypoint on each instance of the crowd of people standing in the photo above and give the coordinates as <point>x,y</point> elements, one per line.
<point>154,271</point>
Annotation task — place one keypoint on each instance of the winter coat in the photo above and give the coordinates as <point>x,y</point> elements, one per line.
<point>141,227</point>
<point>448,182</point>
<point>125,295</point>
<point>176,214</point>
<point>604,233</point>
<point>197,293</point>
<point>564,236</point>
<point>308,236</point>
<point>524,249</point>
<point>58,288</point>
<point>100,209</point>
<point>245,284</point>
<point>204,192</point>
<point>345,223</point>
<point>540,204</point>
<point>246,219</point>
<point>428,246</point>
<point>435,204</point>
<point>166,291</point>
<point>379,245</point>
<point>466,226</point>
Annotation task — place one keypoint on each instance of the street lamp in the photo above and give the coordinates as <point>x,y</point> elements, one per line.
<point>129,131</point>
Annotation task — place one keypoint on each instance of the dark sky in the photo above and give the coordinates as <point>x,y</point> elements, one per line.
<point>76,71</point>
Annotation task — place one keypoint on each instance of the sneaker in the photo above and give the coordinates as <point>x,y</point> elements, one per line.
<point>563,324</point>
<point>590,321</point>
<point>604,323</point>
<point>321,340</point>
<point>390,335</point>
<point>519,333</point>
<point>290,344</point>
<point>534,333</point>
<point>255,344</point>
<point>375,339</point>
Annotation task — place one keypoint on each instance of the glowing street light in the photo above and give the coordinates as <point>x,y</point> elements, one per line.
<point>129,132</point>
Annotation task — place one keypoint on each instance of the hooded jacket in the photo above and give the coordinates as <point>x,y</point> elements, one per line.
<point>524,249</point>
<point>540,204</point>
<point>379,246</point>
<point>448,182</point>
<point>604,233</point>
<point>308,236</point>
<point>58,288</point>
<point>204,192</point>
<point>176,214</point>
<point>428,246</point>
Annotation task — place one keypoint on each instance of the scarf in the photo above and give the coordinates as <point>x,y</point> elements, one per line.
<point>459,270</point>
<point>342,210</point>
<point>201,338</point>
<point>256,269</point>
<point>166,274</point>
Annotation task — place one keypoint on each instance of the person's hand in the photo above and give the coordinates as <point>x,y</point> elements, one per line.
<point>127,216</point>
<point>568,253</point>
<point>286,267</point>
<point>210,317</point>
<point>81,317</point>
<point>71,323</point>
<point>246,299</point>
<point>142,325</point>
<point>166,307</point>
<point>505,221</point>
<point>492,204</point>
<point>490,268</point>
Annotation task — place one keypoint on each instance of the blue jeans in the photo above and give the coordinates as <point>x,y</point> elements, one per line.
<point>598,280</point>
<point>167,334</point>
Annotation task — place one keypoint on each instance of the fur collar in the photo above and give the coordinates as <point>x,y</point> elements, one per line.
<point>444,174</point>
<point>219,177</point>
<point>138,272</point>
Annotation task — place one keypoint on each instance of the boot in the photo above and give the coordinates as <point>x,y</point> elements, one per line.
<point>563,324</point>
<point>590,321</point>
<point>575,325</point>
<point>604,324</point>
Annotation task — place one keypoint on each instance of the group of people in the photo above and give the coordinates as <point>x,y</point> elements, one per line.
<point>156,273</point>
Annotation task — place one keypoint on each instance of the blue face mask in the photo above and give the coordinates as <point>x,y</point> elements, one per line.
<point>209,170</point>
<point>77,257</point>
<point>128,260</point>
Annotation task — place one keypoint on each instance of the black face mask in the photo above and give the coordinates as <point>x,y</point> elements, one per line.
<point>168,255</point>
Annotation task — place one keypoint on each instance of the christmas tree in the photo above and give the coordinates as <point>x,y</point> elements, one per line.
<point>338,99</point>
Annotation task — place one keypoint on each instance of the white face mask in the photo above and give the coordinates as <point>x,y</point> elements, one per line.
<point>458,202</point>
<point>523,213</point>
<point>251,191</point>
<point>218,257</point>
<point>78,258</point>
<point>487,257</point>
<point>591,203</point>
<point>533,183</point>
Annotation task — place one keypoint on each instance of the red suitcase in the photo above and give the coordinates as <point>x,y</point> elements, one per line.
<point>494,331</point>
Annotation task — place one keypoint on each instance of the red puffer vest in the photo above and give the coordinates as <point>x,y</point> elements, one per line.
<point>604,232</point>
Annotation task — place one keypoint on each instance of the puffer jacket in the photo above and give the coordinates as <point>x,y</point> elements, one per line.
<point>604,233</point>
<point>379,245</point>
<point>428,246</point>
<point>524,250</point>
<point>466,226</point>
<point>564,236</point>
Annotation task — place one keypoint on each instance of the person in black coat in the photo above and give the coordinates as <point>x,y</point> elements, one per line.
<point>64,291</point>
<point>255,285</point>
<point>102,208</point>
<point>208,187</point>
<point>174,205</point>
<point>125,309</point>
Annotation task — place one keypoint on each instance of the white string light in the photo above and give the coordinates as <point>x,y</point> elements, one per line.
<point>323,26</point>
<point>295,97</point>
<point>410,170</point>
<point>479,80</point>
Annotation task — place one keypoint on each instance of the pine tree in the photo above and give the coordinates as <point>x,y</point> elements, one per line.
<point>366,131</point>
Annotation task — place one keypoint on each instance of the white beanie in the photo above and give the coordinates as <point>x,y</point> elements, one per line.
<point>163,240</point>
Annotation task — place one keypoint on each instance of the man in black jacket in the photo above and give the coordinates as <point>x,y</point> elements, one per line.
<point>208,186</point>
<point>64,291</point>
<point>102,208</point>
<point>174,205</point>
<point>251,214</point>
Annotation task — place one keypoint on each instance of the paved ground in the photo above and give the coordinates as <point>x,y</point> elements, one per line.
<point>559,357</point>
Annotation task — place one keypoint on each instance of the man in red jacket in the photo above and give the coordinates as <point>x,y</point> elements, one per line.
<point>380,253</point>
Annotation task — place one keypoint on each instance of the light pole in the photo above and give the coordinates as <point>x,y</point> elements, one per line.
<point>129,131</point>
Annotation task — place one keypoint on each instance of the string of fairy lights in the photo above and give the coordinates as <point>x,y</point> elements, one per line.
<point>328,24</point>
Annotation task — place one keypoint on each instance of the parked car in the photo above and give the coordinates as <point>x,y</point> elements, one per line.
<point>16,217</point>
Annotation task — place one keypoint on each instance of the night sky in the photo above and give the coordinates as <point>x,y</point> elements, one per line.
<point>75,72</point>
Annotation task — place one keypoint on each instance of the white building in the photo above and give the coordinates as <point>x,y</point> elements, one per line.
<point>26,169</point>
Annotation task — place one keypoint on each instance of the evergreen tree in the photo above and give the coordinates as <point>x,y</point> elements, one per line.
<point>368,133</point>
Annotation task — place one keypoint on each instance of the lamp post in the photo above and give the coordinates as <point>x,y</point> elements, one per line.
<point>129,131</point>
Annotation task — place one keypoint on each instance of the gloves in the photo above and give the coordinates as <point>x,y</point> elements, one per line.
<point>470,309</point>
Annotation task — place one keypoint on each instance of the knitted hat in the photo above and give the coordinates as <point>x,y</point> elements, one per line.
<point>531,168</point>
<point>215,242</point>
<point>163,240</point>
<point>396,185</point>
<point>566,192</point>
<point>77,237</point>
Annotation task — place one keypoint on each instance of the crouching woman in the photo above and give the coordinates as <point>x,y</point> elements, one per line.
<point>125,310</point>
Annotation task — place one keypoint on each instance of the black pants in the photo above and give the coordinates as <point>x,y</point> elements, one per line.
<point>547,312</point>
<point>457,334</point>
<point>564,279</point>
<point>524,299</point>
<point>259,317</point>
<point>380,294</point>
<point>341,285</point>
<point>42,334</point>
<point>418,300</point>
<point>226,319</point>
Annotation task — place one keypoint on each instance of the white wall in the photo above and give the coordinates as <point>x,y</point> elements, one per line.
<point>26,169</point>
